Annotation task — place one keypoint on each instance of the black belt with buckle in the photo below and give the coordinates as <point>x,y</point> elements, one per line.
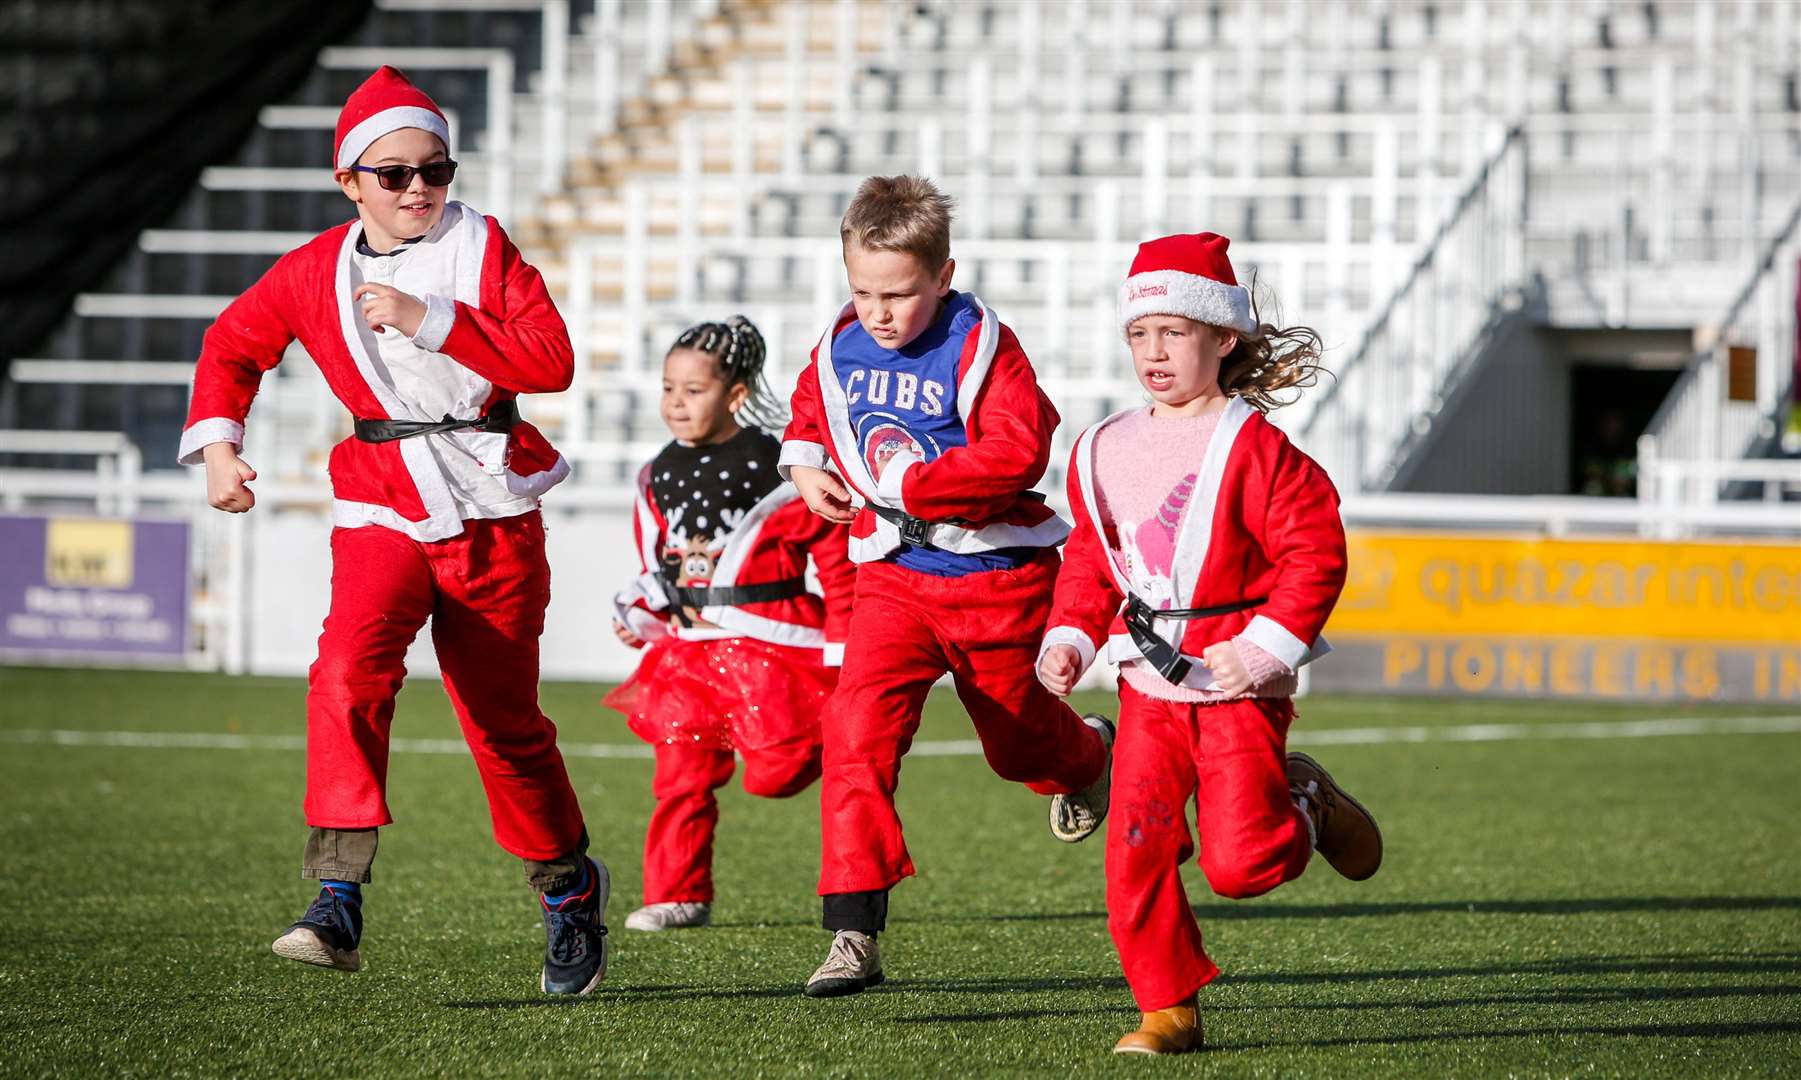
<point>682,597</point>
<point>502,417</point>
<point>912,529</point>
<point>1141,621</point>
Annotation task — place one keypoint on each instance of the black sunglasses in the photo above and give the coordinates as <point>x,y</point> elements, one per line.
<point>400,177</point>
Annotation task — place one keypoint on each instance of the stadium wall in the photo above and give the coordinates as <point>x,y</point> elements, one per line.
<point>1463,615</point>
<point>590,559</point>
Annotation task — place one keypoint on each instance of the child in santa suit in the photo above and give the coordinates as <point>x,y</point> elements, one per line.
<point>739,654</point>
<point>426,323</point>
<point>920,424</point>
<point>1206,555</point>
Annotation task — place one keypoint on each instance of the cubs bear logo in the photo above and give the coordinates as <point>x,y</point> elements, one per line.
<point>884,438</point>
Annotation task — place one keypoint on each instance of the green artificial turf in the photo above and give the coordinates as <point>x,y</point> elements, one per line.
<point>1618,907</point>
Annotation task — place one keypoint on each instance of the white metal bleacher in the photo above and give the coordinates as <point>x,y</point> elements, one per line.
<point>670,161</point>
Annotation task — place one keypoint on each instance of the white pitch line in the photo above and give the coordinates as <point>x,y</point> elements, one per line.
<point>1370,736</point>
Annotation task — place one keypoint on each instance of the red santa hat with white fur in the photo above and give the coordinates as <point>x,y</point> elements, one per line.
<point>386,102</point>
<point>1187,275</point>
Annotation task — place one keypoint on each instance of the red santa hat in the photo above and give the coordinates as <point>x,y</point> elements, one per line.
<point>1187,275</point>
<point>387,101</point>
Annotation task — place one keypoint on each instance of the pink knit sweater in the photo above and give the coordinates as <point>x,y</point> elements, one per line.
<point>1144,473</point>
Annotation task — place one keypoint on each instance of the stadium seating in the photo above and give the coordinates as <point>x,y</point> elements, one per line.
<point>1401,175</point>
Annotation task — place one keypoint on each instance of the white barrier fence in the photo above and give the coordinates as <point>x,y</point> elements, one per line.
<point>261,580</point>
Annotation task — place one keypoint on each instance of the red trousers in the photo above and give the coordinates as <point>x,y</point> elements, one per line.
<point>678,847</point>
<point>906,630</point>
<point>485,592</point>
<point>1231,758</point>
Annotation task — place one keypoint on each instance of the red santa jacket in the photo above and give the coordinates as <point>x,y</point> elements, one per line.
<point>772,543</point>
<point>977,495</point>
<point>1262,522</point>
<point>500,328</point>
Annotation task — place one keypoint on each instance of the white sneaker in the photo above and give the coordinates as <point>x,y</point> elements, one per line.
<point>1075,817</point>
<point>853,965</point>
<point>674,915</point>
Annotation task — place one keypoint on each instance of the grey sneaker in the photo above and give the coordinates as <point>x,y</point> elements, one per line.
<point>1075,817</point>
<point>853,965</point>
<point>674,915</point>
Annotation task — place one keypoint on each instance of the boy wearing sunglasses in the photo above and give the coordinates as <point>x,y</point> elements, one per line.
<point>426,324</point>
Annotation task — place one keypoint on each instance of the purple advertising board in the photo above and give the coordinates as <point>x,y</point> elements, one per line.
<point>95,588</point>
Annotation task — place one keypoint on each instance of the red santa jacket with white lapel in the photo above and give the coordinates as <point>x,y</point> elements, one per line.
<point>771,544</point>
<point>500,327</point>
<point>1263,521</point>
<point>977,495</point>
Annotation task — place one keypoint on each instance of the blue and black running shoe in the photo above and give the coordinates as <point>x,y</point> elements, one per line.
<point>575,936</point>
<point>326,935</point>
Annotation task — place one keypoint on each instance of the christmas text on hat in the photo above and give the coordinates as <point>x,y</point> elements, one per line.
<point>1187,275</point>
<point>387,101</point>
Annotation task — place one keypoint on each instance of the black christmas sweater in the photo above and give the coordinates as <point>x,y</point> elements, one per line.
<point>704,493</point>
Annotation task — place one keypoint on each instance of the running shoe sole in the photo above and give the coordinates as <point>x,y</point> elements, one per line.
<point>305,945</point>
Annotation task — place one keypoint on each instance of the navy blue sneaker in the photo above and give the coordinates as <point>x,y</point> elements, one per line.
<point>575,937</point>
<point>326,935</point>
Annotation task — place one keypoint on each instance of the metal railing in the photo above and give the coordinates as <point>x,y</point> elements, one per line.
<point>1668,488</point>
<point>114,484</point>
<point>1392,386</point>
<point>1701,420</point>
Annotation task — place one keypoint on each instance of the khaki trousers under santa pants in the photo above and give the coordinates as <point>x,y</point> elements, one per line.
<point>1230,758</point>
<point>485,592</point>
<point>906,630</point>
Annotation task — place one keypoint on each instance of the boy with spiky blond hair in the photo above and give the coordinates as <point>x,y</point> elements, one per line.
<point>920,424</point>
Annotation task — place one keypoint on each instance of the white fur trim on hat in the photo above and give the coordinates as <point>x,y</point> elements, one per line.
<point>1172,292</point>
<point>358,138</point>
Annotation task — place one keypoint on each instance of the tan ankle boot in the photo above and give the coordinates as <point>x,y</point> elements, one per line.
<point>1344,832</point>
<point>1175,1030</point>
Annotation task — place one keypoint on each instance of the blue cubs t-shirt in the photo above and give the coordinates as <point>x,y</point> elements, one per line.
<point>906,399</point>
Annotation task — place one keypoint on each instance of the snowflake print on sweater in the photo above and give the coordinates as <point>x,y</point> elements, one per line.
<point>704,493</point>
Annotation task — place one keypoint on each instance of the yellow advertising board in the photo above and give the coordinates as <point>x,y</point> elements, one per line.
<point>1451,613</point>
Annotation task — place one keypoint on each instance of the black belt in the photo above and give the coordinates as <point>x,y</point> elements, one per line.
<point>912,530</point>
<point>682,597</point>
<point>501,417</point>
<point>1141,622</point>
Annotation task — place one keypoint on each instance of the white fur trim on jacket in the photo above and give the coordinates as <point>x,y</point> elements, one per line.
<point>206,432</point>
<point>538,483</point>
<point>358,138</point>
<point>636,605</point>
<point>797,452</point>
<point>1277,640</point>
<point>1171,292</point>
<point>893,481</point>
<point>440,319</point>
<point>1075,639</point>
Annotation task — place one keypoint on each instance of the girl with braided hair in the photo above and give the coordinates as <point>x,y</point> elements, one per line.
<point>739,654</point>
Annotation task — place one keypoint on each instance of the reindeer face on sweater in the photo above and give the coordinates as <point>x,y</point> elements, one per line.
<point>692,560</point>
<point>705,493</point>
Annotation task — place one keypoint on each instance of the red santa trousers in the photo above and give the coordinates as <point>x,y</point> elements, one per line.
<point>906,630</point>
<point>678,846</point>
<point>1231,758</point>
<point>695,700</point>
<point>485,592</point>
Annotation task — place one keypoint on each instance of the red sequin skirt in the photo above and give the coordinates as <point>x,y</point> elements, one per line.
<point>734,693</point>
